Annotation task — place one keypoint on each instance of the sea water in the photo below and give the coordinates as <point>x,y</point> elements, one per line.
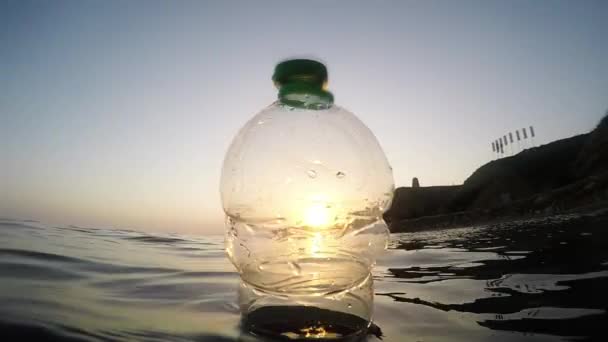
<point>535,280</point>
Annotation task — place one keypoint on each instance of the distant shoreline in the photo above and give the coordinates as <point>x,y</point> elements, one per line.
<point>563,177</point>
<point>463,219</point>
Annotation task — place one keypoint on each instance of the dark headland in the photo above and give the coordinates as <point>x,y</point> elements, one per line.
<point>565,176</point>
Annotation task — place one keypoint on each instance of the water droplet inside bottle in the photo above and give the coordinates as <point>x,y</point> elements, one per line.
<point>295,268</point>
<point>311,173</point>
<point>340,174</point>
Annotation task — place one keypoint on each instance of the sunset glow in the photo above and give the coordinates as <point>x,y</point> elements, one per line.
<point>118,114</point>
<point>318,215</point>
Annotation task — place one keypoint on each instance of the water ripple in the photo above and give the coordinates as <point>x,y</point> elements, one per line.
<point>540,279</point>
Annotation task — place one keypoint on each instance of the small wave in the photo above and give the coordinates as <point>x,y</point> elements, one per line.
<point>35,272</point>
<point>21,224</point>
<point>155,239</point>
<point>75,264</point>
<point>80,229</point>
<point>38,255</point>
<point>50,305</point>
<point>174,277</point>
<point>146,290</point>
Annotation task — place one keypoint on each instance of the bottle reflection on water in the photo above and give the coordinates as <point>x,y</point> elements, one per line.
<point>304,186</point>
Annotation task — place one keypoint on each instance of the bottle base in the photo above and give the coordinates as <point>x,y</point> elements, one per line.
<point>301,323</point>
<point>343,315</point>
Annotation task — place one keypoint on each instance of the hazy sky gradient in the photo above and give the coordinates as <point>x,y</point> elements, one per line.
<point>118,114</point>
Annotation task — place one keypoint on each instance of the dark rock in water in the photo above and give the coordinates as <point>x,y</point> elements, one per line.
<point>305,323</point>
<point>412,202</point>
<point>560,176</point>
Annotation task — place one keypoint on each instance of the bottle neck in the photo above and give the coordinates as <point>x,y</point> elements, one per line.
<point>305,95</point>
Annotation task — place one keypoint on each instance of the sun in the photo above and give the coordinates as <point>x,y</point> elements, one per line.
<point>318,215</point>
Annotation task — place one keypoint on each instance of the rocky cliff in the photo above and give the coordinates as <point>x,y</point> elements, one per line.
<point>561,176</point>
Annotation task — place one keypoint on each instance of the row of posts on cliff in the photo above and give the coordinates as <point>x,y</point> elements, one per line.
<point>503,146</point>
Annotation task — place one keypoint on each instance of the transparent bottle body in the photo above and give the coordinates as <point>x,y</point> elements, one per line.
<point>304,192</point>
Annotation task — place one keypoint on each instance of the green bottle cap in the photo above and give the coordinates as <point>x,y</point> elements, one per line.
<point>301,84</point>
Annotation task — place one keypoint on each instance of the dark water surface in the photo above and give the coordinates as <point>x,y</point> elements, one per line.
<point>529,280</point>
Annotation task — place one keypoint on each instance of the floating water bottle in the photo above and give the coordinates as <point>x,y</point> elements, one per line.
<point>304,186</point>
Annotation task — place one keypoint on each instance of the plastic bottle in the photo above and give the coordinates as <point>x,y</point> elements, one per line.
<point>304,186</point>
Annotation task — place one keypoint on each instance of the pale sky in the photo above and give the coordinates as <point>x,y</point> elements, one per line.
<point>118,113</point>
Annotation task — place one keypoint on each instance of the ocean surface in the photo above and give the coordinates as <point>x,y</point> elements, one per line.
<point>537,280</point>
